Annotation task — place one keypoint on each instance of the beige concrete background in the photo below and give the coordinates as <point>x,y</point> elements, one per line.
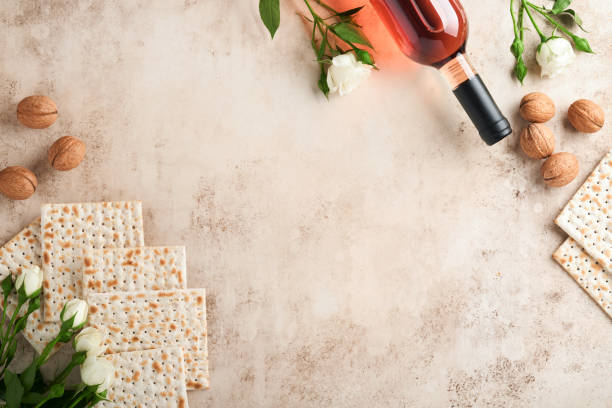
<point>366,251</point>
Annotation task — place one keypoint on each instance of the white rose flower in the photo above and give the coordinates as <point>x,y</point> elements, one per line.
<point>32,278</point>
<point>98,371</point>
<point>89,340</point>
<point>78,309</point>
<point>554,56</point>
<point>346,73</point>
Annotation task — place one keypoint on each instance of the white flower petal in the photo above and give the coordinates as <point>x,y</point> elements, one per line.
<point>346,73</point>
<point>98,371</point>
<point>77,308</point>
<point>554,56</point>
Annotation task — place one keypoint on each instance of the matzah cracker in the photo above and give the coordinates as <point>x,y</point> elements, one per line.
<point>135,269</point>
<point>586,218</point>
<point>154,319</point>
<point>587,272</point>
<point>68,230</point>
<point>147,379</point>
<point>23,251</point>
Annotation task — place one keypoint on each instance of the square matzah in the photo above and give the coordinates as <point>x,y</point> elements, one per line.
<point>586,218</point>
<point>135,269</point>
<point>156,319</point>
<point>23,250</point>
<point>68,230</point>
<point>148,378</point>
<point>587,272</point>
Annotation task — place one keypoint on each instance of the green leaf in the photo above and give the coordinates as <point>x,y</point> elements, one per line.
<point>34,304</point>
<point>346,16</point>
<point>7,285</point>
<point>323,83</point>
<point>21,323</point>
<point>364,56</point>
<point>32,398</point>
<point>350,34</point>
<point>269,10</point>
<point>10,351</point>
<point>560,5</point>
<point>27,377</point>
<point>572,17</point>
<point>349,12</point>
<point>582,44</point>
<point>14,390</point>
<point>98,397</point>
<point>520,70</point>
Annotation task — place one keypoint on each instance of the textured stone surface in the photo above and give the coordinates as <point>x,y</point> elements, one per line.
<point>366,251</point>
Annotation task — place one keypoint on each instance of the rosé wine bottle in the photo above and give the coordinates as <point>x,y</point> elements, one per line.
<point>434,33</point>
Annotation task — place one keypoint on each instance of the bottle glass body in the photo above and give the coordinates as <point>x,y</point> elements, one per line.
<point>434,33</point>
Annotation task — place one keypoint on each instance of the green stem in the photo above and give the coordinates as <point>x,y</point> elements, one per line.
<point>535,25</point>
<point>326,7</point>
<point>315,15</point>
<point>4,306</point>
<point>40,404</point>
<point>323,34</point>
<point>68,369</point>
<point>521,18</point>
<point>46,351</point>
<point>513,15</point>
<point>9,343</point>
<point>551,20</point>
<point>82,395</point>
<point>9,330</point>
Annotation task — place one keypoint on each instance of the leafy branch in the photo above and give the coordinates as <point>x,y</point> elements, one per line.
<point>561,17</point>
<point>329,34</point>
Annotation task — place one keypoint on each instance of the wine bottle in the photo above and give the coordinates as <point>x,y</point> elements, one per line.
<point>434,33</point>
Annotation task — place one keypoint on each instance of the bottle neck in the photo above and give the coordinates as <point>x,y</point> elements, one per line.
<point>475,99</point>
<point>458,70</point>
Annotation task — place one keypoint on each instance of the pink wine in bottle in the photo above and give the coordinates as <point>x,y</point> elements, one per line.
<point>434,33</point>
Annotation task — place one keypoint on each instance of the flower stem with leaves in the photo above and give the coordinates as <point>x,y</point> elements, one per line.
<point>328,34</point>
<point>28,388</point>
<point>559,16</point>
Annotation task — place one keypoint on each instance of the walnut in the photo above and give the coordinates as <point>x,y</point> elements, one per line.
<point>17,183</point>
<point>537,141</point>
<point>66,153</point>
<point>560,169</point>
<point>537,107</point>
<point>37,112</point>
<point>586,116</point>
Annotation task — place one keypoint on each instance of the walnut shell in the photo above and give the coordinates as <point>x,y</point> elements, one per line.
<point>537,107</point>
<point>17,183</point>
<point>66,153</point>
<point>37,112</point>
<point>560,169</point>
<point>537,141</point>
<point>586,116</point>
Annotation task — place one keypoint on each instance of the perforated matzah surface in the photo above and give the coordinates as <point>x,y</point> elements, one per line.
<point>68,230</point>
<point>148,379</point>
<point>587,217</point>
<point>135,269</point>
<point>587,272</point>
<point>151,319</point>
<point>23,250</point>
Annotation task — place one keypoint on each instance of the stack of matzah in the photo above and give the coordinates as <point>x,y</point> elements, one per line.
<point>155,327</point>
<point>587,254</point>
